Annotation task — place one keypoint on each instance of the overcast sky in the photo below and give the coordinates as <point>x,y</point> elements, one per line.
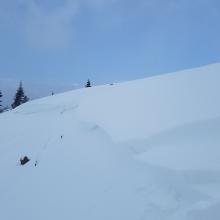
<point>69,41</point>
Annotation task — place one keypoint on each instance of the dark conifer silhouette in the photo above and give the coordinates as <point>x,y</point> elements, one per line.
<point>20,97</point>
<point>1,107</point>
<point>88,84</point>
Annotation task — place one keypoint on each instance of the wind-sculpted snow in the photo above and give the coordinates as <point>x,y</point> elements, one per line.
<point>192,147</point>
<point>141,150</point>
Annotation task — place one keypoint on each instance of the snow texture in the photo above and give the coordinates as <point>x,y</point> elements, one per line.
<point>141,150</point>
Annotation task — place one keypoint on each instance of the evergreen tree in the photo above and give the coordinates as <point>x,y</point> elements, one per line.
<point>1,108</point>
<point>20,97</point>
<point>88,84</point>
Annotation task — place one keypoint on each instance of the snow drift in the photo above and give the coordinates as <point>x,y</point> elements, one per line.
<point>145,149</point>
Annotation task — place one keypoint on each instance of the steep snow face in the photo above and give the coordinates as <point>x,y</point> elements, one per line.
<point>145,149</point>
<point>142,108</point>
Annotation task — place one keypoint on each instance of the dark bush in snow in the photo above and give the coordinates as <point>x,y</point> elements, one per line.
<point>24,160</point>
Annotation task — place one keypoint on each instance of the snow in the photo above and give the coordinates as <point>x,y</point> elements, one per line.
<point>145,149</point>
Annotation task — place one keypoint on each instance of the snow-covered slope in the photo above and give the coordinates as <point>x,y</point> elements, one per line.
<point>145,149</point>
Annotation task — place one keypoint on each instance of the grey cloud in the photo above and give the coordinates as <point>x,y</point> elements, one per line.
<point>46,29</point>
<point>49,29</point>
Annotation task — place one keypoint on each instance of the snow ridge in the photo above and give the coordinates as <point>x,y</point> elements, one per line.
<point>141,150</point>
